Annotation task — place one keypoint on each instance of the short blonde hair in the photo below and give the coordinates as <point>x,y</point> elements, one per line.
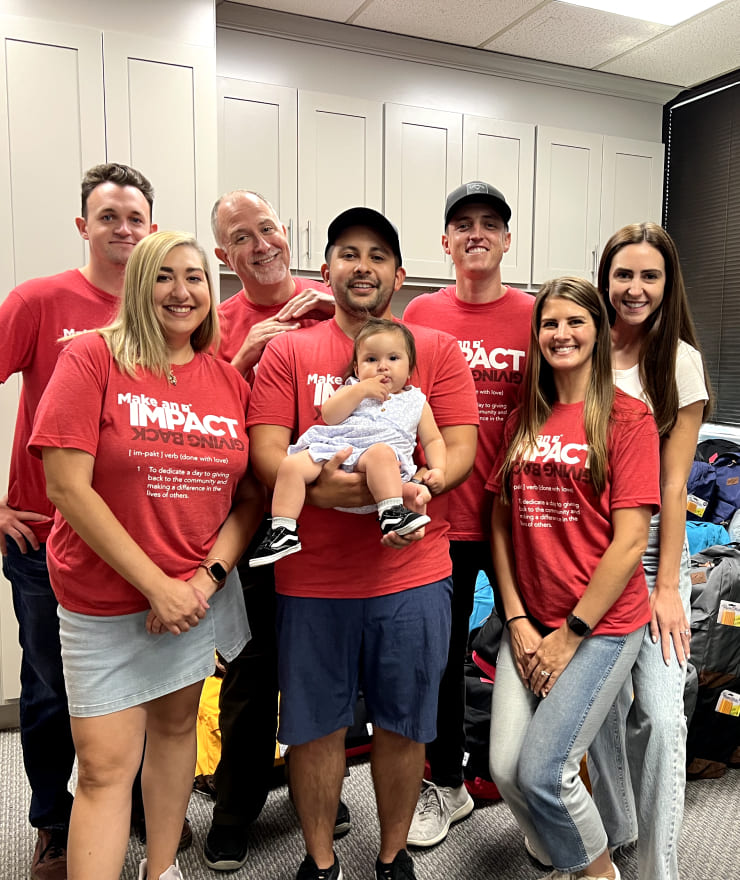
<point>135,338</point>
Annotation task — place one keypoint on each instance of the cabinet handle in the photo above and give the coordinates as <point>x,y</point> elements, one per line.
<point>290,235</point>
<point>308,242</point>
<point>594,264</point>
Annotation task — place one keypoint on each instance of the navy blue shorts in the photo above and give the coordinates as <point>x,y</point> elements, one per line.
<point>394,647</point>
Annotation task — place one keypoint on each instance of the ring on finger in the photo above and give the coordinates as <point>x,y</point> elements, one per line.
<point>546,674</point>
<point>687,632</point>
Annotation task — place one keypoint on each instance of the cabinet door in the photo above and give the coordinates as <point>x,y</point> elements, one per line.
<point>423,162</point>
<point>161,119</point>
<point>567,203</point>
<point>51,104</point>
<point>257,127</point>
<point>502,153</point>
<point>340,165</point>
<point>631,183</point>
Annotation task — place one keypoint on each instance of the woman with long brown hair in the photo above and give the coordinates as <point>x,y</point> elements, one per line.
<point>574,496</point>
<point>655,357</point>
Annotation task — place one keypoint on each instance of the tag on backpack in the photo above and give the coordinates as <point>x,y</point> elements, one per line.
<point>729,613</point>
<point>696,505</point>
<point>728,704</point>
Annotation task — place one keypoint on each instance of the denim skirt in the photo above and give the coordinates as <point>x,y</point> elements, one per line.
<point>113,663</point>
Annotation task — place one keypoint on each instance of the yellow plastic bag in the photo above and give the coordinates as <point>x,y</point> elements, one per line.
<point>209,733</point>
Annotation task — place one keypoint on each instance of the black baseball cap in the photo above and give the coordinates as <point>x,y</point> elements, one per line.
<point>477,191</point>
<point>364,217</point>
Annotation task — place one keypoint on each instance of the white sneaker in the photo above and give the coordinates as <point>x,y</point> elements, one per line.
<point>172,873</point>
<point>437,808</point>
<point>558,875</point>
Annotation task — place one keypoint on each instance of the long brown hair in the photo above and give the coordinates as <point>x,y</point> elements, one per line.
<point>539,393</point>
<point>669,323</point>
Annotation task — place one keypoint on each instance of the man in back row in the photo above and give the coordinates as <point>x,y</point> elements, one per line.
<point>252,242</point>
<point>380,611</point>
<point>491,324</point>
<point>116,214</point>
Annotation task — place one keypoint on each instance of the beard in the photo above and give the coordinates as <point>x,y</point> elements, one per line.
<point>272,273</point>
<point>371,305</point>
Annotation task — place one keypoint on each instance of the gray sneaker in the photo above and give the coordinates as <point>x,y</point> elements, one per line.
<point>437,808</point>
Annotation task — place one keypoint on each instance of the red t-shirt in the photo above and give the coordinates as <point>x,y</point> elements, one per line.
<point>342,556</point>
<point>494,338</point>
<point>167,462</point>
<point>561,528</point>
<point>237,315</point>
<point>33,318</point>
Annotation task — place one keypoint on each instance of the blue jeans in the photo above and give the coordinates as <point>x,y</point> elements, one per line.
<point>642,748</point>
<point>46,738</point>
<point>537,746</point>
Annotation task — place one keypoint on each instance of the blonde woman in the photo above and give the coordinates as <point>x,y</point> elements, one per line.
<point>142,436</point>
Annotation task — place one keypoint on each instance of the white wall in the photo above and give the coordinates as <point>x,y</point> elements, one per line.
<point>303,65</point>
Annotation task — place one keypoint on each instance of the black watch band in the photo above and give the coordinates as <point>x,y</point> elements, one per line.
<point>578,626</point>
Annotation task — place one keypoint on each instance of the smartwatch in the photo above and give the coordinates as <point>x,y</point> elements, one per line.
<point>215,570</point>
<point>578,626</point>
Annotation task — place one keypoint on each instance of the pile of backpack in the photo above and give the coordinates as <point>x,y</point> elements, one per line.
<point>714,727</point>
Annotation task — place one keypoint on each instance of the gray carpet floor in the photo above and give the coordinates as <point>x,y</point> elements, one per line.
<point>486,846</point>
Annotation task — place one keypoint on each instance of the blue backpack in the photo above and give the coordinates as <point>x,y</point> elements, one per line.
<point>714,482</point>
<point>727,495</point>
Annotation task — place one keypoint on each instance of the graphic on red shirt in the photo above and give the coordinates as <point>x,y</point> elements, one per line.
<point>561,528</point>
<point>167,463</point>
<point>494,338</point>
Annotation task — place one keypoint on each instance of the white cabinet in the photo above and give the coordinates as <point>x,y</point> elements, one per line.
<point>161,119</point>
<point>587,186</point>
<point>502,153</point>
<point>51,106</point>
<point>631,184</point>
<point>423,162</point>
<point>567,203</point>
<point>430,152</point>
<point>310,154</point>
<point>258,146</point>
<point>340,165</point>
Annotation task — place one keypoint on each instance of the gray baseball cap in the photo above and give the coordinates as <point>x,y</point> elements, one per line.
<point>477,191</point>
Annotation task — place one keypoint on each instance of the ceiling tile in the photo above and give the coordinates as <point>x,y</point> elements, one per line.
<point>466,24</point>
<point>331,10</point>
<point>700,49</point>
<point>566,34</point>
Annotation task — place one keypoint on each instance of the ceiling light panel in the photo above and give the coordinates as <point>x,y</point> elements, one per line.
<point>668,12</point>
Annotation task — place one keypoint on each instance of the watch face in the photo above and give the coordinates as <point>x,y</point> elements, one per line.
<point>578,626</point>
<point>218,571</point>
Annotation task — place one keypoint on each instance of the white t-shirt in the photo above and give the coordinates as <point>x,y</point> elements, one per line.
<point>689,377</point>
